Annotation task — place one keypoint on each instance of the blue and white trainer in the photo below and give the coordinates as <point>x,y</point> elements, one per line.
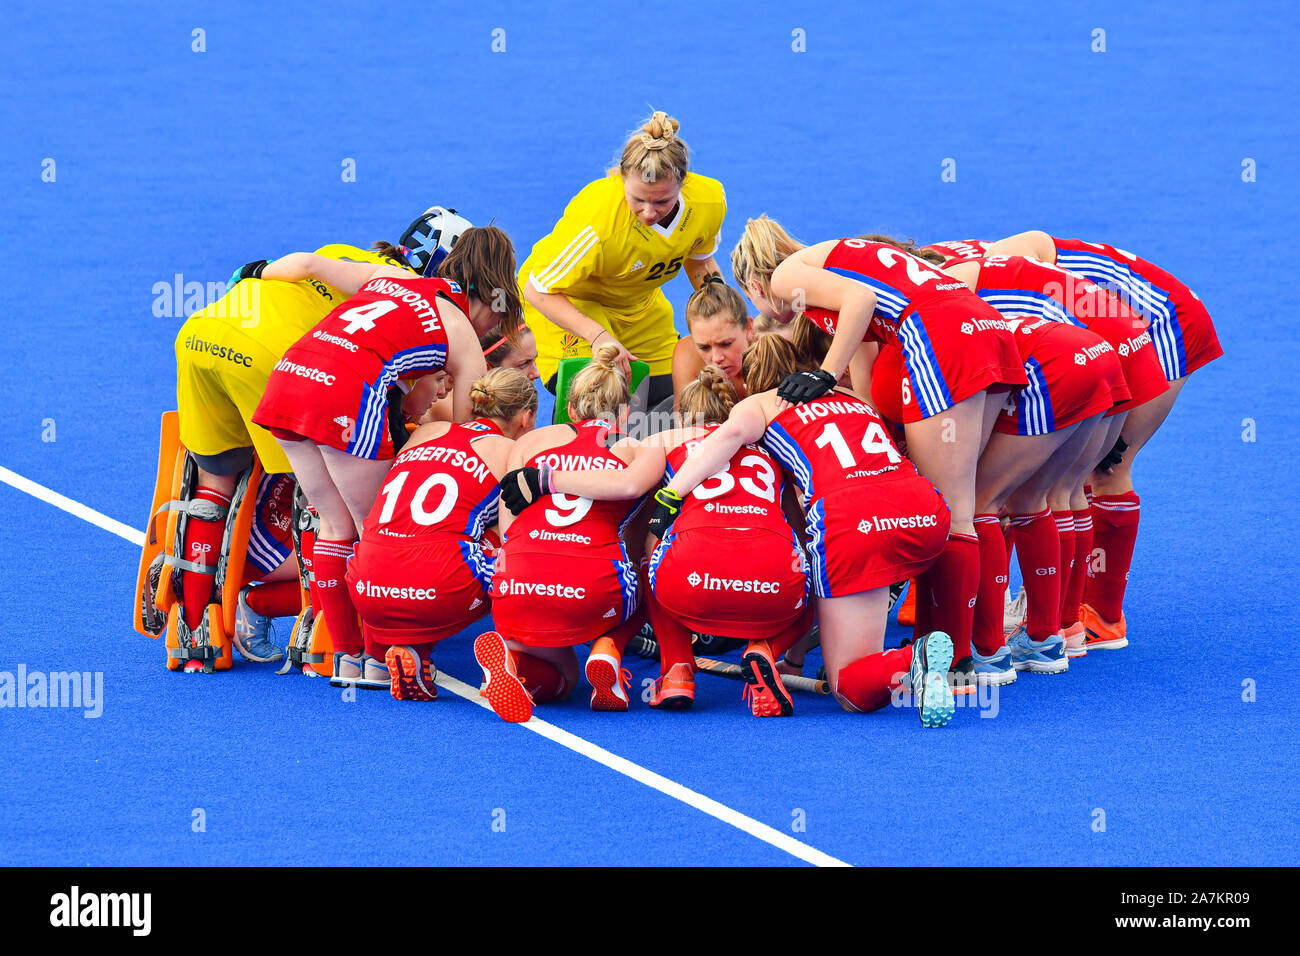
<point>995,670</point>
<point>931,658</point>
<point>1038,657</point>
<point>252,636</point>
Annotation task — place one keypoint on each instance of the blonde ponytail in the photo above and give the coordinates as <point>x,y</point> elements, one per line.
<point>599,390</point>
<point>763,246</point>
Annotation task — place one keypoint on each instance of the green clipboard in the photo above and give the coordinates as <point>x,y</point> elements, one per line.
<point>569,368</point>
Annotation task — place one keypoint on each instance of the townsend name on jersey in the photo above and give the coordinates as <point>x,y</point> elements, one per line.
<point>421,306</point>
<point>453,458</point>
<point>563,462</point>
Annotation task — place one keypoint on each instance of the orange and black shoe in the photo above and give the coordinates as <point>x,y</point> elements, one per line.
<point>504,690</point>
<point>767,695</point>
<point>607,677</point>
<point>1102,635</point>
<point>674,690</point>
<point>961,677</point>
<point>412,676</point>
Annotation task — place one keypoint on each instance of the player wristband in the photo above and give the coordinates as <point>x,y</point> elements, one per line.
<point>667,506</point>
<point>251,270</point>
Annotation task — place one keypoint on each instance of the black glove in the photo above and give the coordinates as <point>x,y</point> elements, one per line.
<point>667,506</point>
<point>252,270</point>
<point>1113,457</point>
<point>800,387</point>
<point>521,487</point>
<point>397,419</point>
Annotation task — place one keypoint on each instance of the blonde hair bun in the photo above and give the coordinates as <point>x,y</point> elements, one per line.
<point>659,131</point>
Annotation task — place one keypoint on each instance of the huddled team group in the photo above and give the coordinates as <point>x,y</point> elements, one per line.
<point>356,446</point>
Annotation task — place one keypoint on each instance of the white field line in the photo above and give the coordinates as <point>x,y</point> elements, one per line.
<point>76,508</point>
<point>579,745</point>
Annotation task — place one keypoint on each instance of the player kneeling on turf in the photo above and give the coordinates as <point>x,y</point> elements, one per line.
<point>871,520</point>
<point>564,575</point>
<point>421,572</point>
<point>732,565</point>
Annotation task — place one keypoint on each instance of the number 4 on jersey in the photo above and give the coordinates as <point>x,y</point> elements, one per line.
<point>363,316</point>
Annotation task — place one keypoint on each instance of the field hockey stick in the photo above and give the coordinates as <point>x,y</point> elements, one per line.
<point>735,672</point>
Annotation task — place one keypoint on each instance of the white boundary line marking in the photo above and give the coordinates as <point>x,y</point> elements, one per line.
<point>578,745</point>
<point>76,508</point>
<point>656,781</point>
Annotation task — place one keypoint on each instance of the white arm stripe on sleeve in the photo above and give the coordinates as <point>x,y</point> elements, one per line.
<point>570,255</point>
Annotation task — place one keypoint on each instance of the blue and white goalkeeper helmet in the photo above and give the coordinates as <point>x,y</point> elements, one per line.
<point>427,241</point>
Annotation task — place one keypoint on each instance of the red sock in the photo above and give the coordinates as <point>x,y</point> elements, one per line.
<point>622,634</point>
<point>1065,566</point>
<point>954,584</point>
<point>923,609</point>
<point>308,544</point>
<point>674,637</point>
<point>1039,549</point>
<point>330,561</point>
<point>276,599</point>
<point>1078,573</point>
<point>202,546</point>
<point>787,638</point>
<point>542,679</point>
<point>1115,528</point>
<point>987,634</point>
<point>868,683</point>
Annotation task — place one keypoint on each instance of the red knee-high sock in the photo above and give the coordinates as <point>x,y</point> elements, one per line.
<point>987,635</point>
<point>330,562</point>
<point>628,629</point>
<point>1115,528</point>
<point>673,636</point>
<point>1078,573</point>
<point>869,682</point>
<point>954,582</point>
<point>202,546</point>
<point>923,610</point>
<point>276,599</point>
<point>1065,567</point>
<point>1039,549</point>
<point>787,638</point>
<point>540,678</point>
<point>308,545</point>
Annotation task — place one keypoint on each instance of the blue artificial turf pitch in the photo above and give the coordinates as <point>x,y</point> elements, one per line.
<point>173,163</point>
